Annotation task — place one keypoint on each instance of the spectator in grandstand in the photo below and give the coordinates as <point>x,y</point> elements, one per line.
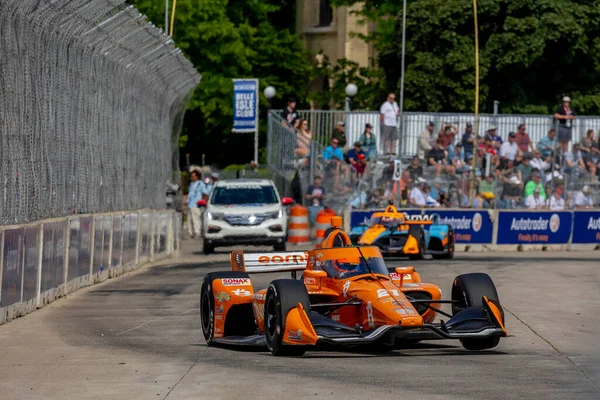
<point>590,153</point>
<point>446,135</point>
<point>303,138</point>
<point>523,141</point>
<point>547,145</point>
<point>487,190</point>
<point>405,181</point>
<point>495,138</point>
<point>340,134</point>
<point>533,184</point>
<point>458,159</point>
<point>525,169</point>
<point>415,169</point>
<point>468,141</point>
<point>508,152</point>
<point>195,190</point>
<point>290,114</point>
<point>539,164</point>
<point>511,190</point>
<point>356,157</point>
<point>435,190</point>
<point>574,164</point>
<point>387,173</point>
<point>565,116</point>
<point>377,199</point>
<point>358,200</point>
<point>332,153</point>
<point>535,201</point>
<point>557,203</point>
<point>417,196</point>
<point>583,199</point>
<point>487,147</point>
<point>436,160</point>
<point>369,142</point>
<point>389,118</point>
<point>426,141</point>
<point>315,195</point>
<point>429,201</point>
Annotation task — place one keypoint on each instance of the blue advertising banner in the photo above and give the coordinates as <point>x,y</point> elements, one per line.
<point>470,226</point>
<point>534,227</point>
<point>586,227</point>
<point>245,105</point>
<point>358,217</point>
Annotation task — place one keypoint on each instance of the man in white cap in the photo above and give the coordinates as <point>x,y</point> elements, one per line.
<point>535,201</point>
<point>583,199</point>
<point>417,196</point>
<point>390,111</point>
<point>565,116</point>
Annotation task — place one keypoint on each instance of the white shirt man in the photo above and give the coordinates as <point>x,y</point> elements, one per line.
<point>557,203</point>
<point>509,149</point>
<point>583,199</point>
<point>417,198</point>
<point>535,201</point>
<point>390,110</point>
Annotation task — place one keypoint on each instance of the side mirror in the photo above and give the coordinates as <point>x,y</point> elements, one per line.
<point>401,271</point>
<point>287,201</point>
<point>313,277</point>
<point>201,203</point>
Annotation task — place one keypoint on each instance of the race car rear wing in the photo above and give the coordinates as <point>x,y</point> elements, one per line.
<point>255,263</point>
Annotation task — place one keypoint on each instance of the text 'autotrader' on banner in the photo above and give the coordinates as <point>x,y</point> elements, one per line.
<point>245,105</point>
<point>586,227</point>
<point>534,227</point>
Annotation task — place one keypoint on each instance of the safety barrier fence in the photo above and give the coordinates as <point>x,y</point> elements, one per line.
<point>322,124</point>
<point>522,228</point>
<point>45,260</point>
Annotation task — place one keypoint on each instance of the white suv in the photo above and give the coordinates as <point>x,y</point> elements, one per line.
<point>244,212</point>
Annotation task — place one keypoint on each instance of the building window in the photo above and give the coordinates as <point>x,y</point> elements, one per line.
<point>325,13</point>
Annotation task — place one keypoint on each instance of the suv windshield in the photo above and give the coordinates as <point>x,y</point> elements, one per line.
<point>348,267</point>
<point>243,195</point>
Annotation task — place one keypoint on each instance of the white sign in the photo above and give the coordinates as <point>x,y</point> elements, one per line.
<point>397,170</point>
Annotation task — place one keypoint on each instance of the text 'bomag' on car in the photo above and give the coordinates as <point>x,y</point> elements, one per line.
<point>346,297</point>
<point>399,234</point>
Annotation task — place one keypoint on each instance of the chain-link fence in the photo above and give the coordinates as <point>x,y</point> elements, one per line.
<point>507,170</point>
<point>92,98</point>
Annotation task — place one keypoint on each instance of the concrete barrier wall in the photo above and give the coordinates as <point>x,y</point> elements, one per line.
<point>43,261</point>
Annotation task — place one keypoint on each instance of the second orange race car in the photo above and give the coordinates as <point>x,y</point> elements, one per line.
<point>346,297</point>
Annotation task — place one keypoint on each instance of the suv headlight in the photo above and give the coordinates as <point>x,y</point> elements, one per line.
<point>213,216</point>
<point>274,215</point>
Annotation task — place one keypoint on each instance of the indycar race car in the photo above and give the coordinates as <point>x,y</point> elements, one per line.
<point>345,297</point>
<point>399,234</point>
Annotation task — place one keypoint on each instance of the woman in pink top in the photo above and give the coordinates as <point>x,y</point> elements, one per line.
<point>303,137</point>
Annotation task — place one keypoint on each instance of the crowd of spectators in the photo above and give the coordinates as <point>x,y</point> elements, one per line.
<point>508,174</point>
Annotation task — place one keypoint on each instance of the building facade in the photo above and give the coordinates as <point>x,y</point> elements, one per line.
<point>322,27</point>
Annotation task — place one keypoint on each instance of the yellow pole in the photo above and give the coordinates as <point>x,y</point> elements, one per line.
<point>173,17</point>
<point>476,127</point>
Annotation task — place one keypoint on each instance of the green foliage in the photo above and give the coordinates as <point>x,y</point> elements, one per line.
<point>369,81</point>
<point>531,53</point>
<point>227,39</point>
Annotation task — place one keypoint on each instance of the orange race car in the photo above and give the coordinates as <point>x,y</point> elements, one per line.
<point>345,297</point>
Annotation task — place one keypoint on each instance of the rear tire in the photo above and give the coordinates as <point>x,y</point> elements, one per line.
<point>207,302</point>
<point>469,289</point>
<point>450,254</point>
<point>283,295</point>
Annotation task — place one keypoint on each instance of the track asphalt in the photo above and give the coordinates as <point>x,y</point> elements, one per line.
<point>139,337</point>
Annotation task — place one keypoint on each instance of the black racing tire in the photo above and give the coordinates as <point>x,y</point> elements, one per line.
<point>279,247</point>
<point>468,290</point>
<point>207,302</point>
<point>450,254</point>
<point>417,232</point>
<point>283,295</point>
<point>207,248</point>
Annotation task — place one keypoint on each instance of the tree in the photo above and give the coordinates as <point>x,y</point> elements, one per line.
<point>531,53</point>
<point>226,40</point>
